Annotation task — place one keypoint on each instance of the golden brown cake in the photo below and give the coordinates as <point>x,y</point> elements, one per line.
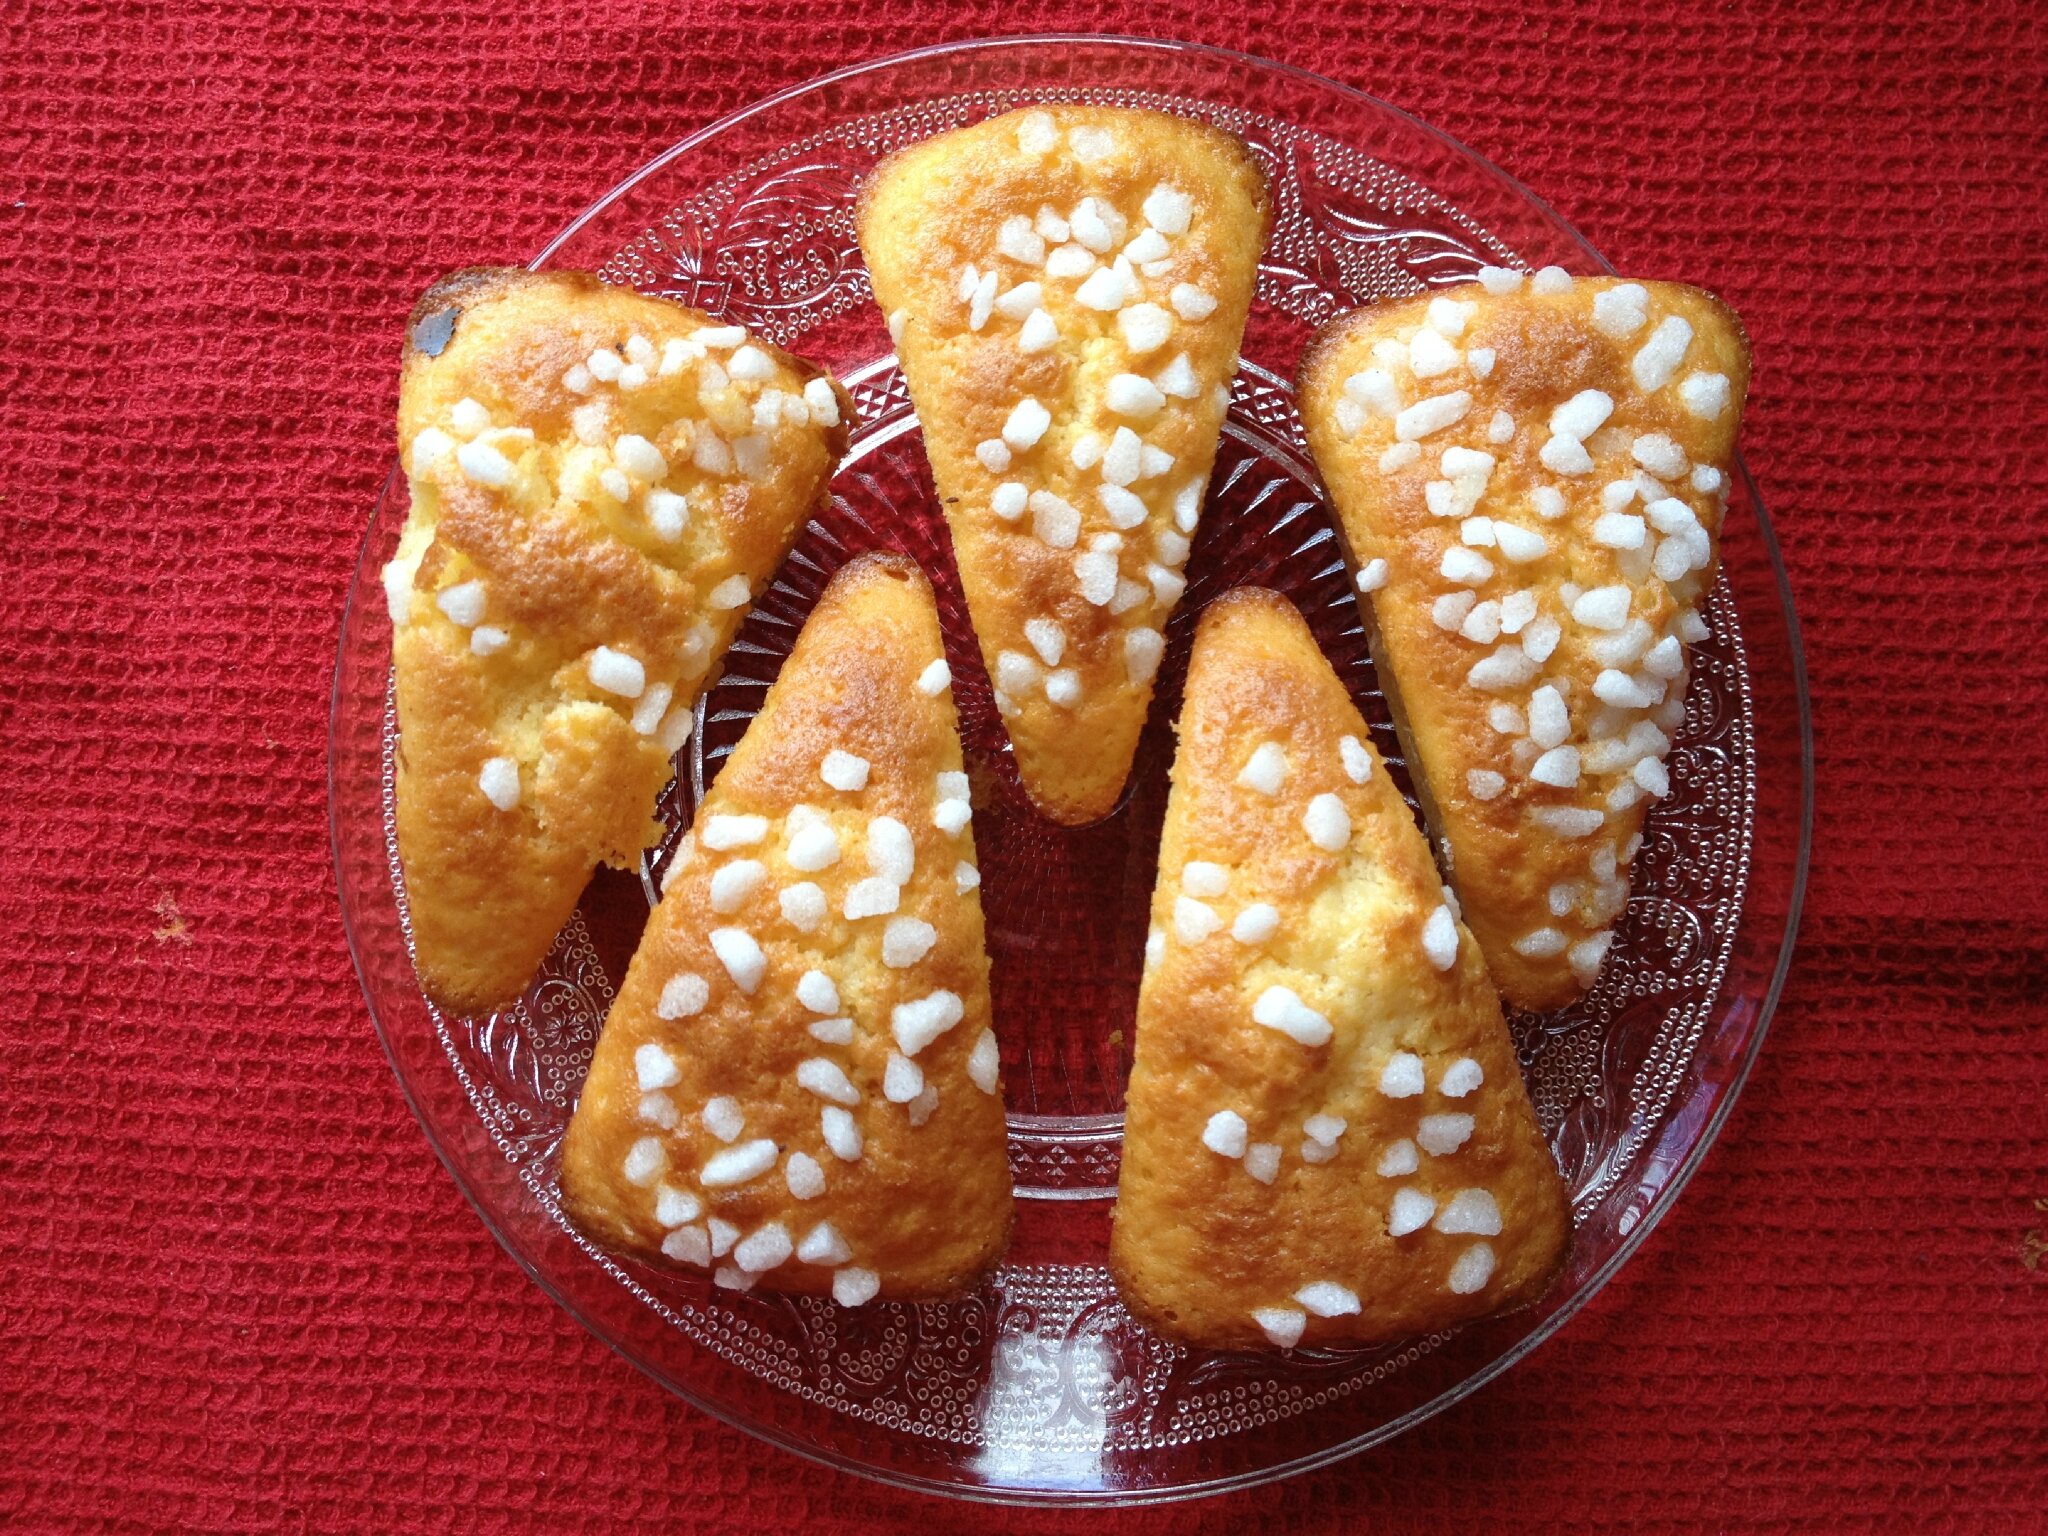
<point>797,1086</point>
<point>600,484</point>
<point>1067,287</point>
<point>1327,1140</point>
<point>1531,474</point>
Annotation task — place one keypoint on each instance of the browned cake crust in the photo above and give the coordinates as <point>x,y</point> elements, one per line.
<point>702,1058</point>
<point>1070,398</point>
<point>1273,1138</point>
<point>1536,515</point>
<point>579,551</point>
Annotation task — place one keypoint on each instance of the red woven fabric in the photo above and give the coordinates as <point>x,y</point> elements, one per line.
<point>238,1292</point>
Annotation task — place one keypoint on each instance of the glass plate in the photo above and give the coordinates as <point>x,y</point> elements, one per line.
<point>1039,1387</point>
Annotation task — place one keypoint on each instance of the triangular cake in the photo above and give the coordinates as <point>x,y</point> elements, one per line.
<point>1532,475</point>
<point>1327,1140</point>
<point>600,483</point>
<point>1067,287</point>
<point>797,1085</point>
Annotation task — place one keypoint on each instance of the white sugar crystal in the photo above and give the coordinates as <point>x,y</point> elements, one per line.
<point>1432,415</point>
<point>1177,379</point>
<point>617,484</point>
<point>1194,921</point>
<point>1281,1008</point>
<point>1375,390</point>
<point>1123,458</point>
<point>1105,289</point>
<point>1096,572</point>
<point>1449,315</point>
<point>1020,242</point>
<point>1039,333</point>
<point>1199,877</point>
<point>1016,673</point>
<point>673,1207</point>
<point>499,781</point>
<point>1466,566</point>
<point>1498,280</point>
<point>1450,611</point>
<point>813,845</point>
<point>1401,1078</point>
<point>823,1245</point>
<point>722,337</point>
<point>653,1067</point>
<point>823,402</point>
<point>853,1287</point>
<point>1604,608</point>
<point>984,1062</point>
<point>875,896</point>
<point>751,364</point>
<point>737,1165</point>
<point>1167,586</point>
<point>994,455</point>
<point>1706,479</point>
<point>906,941</point>
<point>1372,575</point>
<point>1620,311</point>
<point>923,1107</point>
<point>1036,133</point>
<point>1026,424</point>
<point>1054,522</point>
<point>1619,530</point>
<point>917,1024</point>
<point>723,1235</point>
<point>1282,1326</point>
<point>1559,768</point>
<point>1539,639</point>
<point>1168,210</point>
<point>1622,691</point>
<point>1587,956</point>
<point>683,996</point>
<point>1153,462</point>
<point>817,992</point>
<point>1326,1298</point>
<point>1266,769</point>
<point>639,458</point>
<point>1226,1134</point>
<point>1474,1267</point>
<point>1262,1161</point>
<point>1516,610</point>
<point>1410,1212</point>
<point>709,452</point>
<point>1191,303</point>
<point>1481,360</point>
<point>735,883</point>
<point>806,1180</point>
<point>722,1118</point>
<point>1659,455</point>
<point>1566,820</point>
<point>1582,415</point>
<point>952,816</point>
<point>935,679</point>
<point>1484,783</point>
<point>1019,302</point>
<point>1440,939</point>
<point>1441,1135</point>
<point>1143,649</point>
<point>1096,224</point>
<point>1652,777</point>
<point>1399,1160</point>
<point>1476,533</point>
<point>1549,721</point>
<point>1665,659</point>
<point>463,603</point>
<point>844,771</point>
<point>1667,514</point>
<point>1145,328</point>
<point>1551,280</point>
<point>1357,761</point>
<point>1429,354</point>
<point>430,449</point>
<point>1256,923</point>
<point>729,594</point>
<point>1327,823</point>
<point>763,1249</point>
<point>1660,356</point>
<point>1072,260</point>
<point>1147,246</point>
<point>892,853</point>
<point>827,1080</point>
<point>1517,545</point>
<point>902,1079</point>
<point>741,956</point>
<point>1187,505</point>
<point>1460,1078</point>
<point>1126,510</point>
<point>1324,1128</point>
<point>722,832</point>
<point>646,1161</point>
<point>616,672</point>
<point>1506,719</point>
<point>605,365</point>
<point>1507,667</point>
<point>837,1031</point>
<point>668,514</point>
<point>469,416</point>
<point>841,1134</point>
<point>1566,456</point>
<point>965,878</point>
<point>1471,1212</point>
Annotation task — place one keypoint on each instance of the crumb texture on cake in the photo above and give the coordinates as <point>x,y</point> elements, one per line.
<point>798,1086</point>
<point>600,483</point>
<point>1531,473</point>
<point>1327,1139</point>
<point>1067,287</point>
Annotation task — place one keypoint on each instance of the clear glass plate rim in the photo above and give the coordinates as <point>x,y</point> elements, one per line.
<point>1666,1196</point>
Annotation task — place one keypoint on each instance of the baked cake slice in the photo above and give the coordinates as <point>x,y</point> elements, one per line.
<point>600,484</point>
<point>1327,1140</point>
<point>1067,287</point>
<point>1532,475</point>
<point>797,1086</point>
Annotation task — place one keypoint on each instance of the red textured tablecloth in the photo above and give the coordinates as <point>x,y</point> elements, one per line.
<point>236,1290</point>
